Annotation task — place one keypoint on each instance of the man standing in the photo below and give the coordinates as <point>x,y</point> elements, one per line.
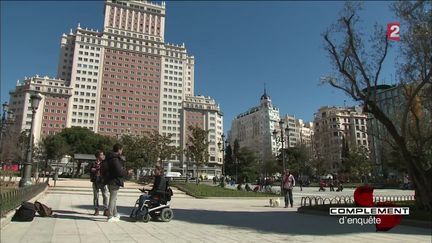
<point>288,184</point>
<point>115,179</point>
<point>96,178</point>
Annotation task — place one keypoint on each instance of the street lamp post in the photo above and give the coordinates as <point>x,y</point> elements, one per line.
<point>281,140</point>
<point>221,145</point>
<point>25,180</point>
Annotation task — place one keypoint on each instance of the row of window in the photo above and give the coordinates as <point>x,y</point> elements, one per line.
<point>83,121</point>
<point>54,118</point>
<point>80,65</point>
<point>82,107</point>
<point>93,40</point>
<point>87,72</point>
<point>91,60</point>
<point>85,94</point>
<point>173,84</point>
<point>123,33</point>
<point>126,84</point>
<point>128,71</point>
<point>133,66</point>
<point>116,117</point>
<point>83,79</point>
<point>133,77</point>
<point>55,111</point>
<point>117,97</point>
<point>85,87</point>
<point>54,125</point>
<point>131,60</point>
<point>115,130</point>
<point>55,104</point>
<point>130,105</point>
<point>85,114</point>
<point>85,100</point>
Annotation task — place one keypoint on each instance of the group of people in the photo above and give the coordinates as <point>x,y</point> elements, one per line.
<point>108,179</point>
<point>108,174</point>
<point>331,183</point>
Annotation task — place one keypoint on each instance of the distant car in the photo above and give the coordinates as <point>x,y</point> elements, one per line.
<point>172,174</point>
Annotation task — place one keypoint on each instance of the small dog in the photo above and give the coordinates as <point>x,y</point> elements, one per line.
<point>274,202</point>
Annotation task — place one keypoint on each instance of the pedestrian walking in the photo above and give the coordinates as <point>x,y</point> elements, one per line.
<point>331,185</point>
<point>300,183</point>
<point>55,177</point>
<point>97,183</point>
<point>288,184</point>
<point>115,175</point>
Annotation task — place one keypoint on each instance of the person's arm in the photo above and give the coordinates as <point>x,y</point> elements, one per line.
<point>293,180</point>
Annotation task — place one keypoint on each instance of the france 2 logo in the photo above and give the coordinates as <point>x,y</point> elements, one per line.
<point>393,30</point>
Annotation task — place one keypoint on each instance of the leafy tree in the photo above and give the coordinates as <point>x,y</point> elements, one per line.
<point>198,145</point>
<point>229,161</point>
<point>359,65</point>
<point>248,166</point>
<point>162,146</point>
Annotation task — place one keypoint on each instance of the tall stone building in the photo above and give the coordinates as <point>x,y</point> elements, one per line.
<point>333,126</point>
<point>203,112</point>
<point>51,114</point>
<point>124,79</point>
<point>253,129</point>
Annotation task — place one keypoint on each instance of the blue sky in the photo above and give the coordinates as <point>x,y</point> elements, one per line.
<point>238,46</point>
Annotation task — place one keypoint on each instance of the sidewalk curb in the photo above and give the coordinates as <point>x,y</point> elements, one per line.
<point>8,217</point>
<point>405,222</point>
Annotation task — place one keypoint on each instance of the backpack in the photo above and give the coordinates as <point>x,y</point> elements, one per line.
<point>25,213</point>
<point>43,210</point>
<point>104,172</point>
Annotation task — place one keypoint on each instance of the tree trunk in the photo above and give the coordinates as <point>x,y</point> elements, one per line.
<point>422,182</point>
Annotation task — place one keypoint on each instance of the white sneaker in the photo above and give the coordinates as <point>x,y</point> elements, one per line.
<point>117,216</point>
<point>113,220</point>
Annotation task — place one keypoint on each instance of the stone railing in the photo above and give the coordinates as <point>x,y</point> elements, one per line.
<point>346,200</point>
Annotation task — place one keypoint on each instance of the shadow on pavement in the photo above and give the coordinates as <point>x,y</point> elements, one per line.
<point>279,222</point>
<point>76,217</point>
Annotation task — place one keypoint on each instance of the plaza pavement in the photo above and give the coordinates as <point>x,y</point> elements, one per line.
<point>195,220</point>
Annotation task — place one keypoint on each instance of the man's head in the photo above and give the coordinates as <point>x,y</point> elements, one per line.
<point>158,170</point>
<point>99,155</point>
<point>287,171</point>
<point>118,148</point>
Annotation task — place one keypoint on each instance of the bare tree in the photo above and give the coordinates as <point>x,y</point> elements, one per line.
<point>359,64</point>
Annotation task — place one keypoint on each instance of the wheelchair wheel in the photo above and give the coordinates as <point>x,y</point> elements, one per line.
<point>166,214</point>
<point>146,218</point>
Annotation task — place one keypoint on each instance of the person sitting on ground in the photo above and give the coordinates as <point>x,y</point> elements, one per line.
<point>247,187</point>
<point>239,187</point>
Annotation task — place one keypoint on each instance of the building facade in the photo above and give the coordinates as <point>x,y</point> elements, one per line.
<point>253,129</point>
<point>204,112</point>
<point>123,79</point>
<point>391,100</point>
<point>51,115</point>
<point>333,126</point>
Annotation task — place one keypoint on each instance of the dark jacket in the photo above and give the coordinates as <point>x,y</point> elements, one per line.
<point>95,176</point>
<point>117,173</point>
<point>159,186</point>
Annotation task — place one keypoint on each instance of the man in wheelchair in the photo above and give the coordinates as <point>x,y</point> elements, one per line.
<point>154,203</point>
<point>160,193</point>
